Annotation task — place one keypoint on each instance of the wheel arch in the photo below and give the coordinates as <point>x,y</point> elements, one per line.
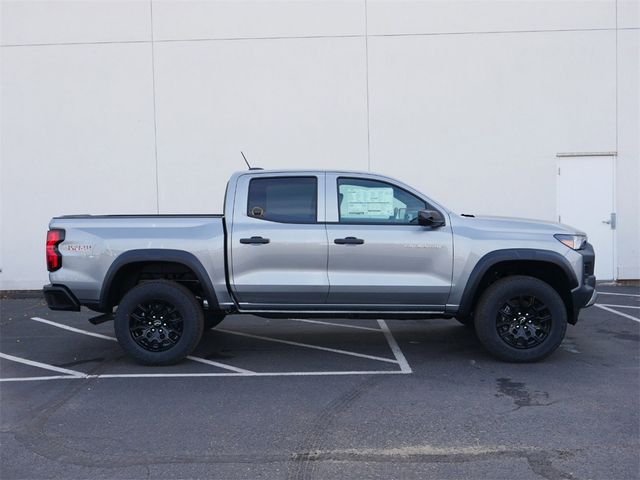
<point>129,265</point>
<point>548,266</point>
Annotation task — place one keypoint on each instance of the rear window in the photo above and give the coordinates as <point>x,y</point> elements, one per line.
<point>284,199</point>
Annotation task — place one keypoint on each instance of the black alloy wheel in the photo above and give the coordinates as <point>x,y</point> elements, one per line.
<point>524,321</point>
<point>156,325</point>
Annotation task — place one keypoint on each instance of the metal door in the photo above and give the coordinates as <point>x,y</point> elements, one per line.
<point>384,263</point>
<point>586,201</point>
<point>278,255</point>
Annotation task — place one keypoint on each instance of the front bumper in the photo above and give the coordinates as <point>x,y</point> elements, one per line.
<point>59,297</point>
<point>585,295</point>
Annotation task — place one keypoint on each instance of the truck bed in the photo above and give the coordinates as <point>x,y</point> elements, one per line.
<point>94,245</point>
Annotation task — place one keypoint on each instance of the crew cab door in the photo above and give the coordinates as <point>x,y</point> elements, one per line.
<point>278,241</point>
<point>379,257</point>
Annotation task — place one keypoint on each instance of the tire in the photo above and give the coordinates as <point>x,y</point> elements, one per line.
<point>212,319</point>
<point>520,319</point>
<point>159,340</point>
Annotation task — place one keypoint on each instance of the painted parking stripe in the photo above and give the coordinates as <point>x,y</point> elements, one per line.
<point>395,348</point>
<point>46,366</point>
<point>359,327</point>
<point>113,339</point>
<point>619,306</point>
<point>307,345</point>
<point>190,375</point>
<point>72,329</point>
<point>35,379</point>
<point>621,294</point>
<point>617,312</point>
<point>236,372</point>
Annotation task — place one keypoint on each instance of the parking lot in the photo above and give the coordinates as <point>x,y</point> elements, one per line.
<point>320,399</point>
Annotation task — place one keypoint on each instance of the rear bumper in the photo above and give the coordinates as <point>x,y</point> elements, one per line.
<point>59,297</point>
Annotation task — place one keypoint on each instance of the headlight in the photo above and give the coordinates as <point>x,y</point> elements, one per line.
<point>576,242</point>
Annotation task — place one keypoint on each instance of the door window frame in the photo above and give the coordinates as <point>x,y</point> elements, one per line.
<point>427,205</point>
<point>285,177</point>
<point>240,202</point>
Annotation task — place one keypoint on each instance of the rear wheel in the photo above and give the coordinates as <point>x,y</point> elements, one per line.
<point>159,322</point>
<point>520,319</point>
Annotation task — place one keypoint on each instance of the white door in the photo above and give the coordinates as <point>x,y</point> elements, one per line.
<point>586,202</point>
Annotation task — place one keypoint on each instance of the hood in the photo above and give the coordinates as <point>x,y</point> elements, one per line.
<point>511,224</point>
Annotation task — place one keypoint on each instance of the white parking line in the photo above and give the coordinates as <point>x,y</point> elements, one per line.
<point>395,348</point>
<point>72,329</point>
<point>359,327</point>
<point>32,379</point>
<point>619,306</point>
<point>235,371</point>
<point>617,312</point>
<point>307,345</point>
<point>180,375</point>
<point>621,294</point>
<point>46,366</point>
<point>113,339</point>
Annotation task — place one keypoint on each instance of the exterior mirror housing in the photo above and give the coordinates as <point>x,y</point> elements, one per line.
<point>430,218</point>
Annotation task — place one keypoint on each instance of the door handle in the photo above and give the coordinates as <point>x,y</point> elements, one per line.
<point>254,240</point>
<point>349,241</point>
<point>611,222</point>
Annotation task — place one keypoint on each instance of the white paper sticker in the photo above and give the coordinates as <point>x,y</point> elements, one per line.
<point>362,202</point>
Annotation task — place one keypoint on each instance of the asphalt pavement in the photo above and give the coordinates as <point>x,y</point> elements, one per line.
<point>292,399</point>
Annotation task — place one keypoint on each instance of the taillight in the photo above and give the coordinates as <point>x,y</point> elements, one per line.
<point>54,258</point>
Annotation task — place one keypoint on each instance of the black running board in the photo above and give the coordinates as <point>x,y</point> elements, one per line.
<point>101,318</point>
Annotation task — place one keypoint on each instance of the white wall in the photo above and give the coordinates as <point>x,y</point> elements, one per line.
<point>143,106</point>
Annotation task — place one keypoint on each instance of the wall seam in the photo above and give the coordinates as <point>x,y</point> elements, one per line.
<point>380,35</point>
<point>616,266</point>
<point>155,121</point>
<point>366,61</point>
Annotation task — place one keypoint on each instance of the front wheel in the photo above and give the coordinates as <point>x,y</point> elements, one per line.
<point>159,322</point>
<point>520,319</point>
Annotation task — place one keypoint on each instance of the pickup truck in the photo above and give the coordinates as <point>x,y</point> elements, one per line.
<point>305,244</point>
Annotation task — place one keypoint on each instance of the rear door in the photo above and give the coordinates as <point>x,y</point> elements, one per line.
<point>278,241</point>
<point>379,257</point>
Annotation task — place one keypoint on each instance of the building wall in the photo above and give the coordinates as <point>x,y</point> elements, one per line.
<point>143,106</point>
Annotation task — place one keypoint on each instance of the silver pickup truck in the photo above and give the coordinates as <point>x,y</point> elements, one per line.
<point>322,244</point>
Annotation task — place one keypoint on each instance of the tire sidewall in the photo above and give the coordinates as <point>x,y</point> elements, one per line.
<point>501,291</point>
<point>182,299</point>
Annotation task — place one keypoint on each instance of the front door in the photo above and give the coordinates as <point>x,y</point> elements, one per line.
<point>278,242</point>
<point>585,201</point>
<point>379,257</point>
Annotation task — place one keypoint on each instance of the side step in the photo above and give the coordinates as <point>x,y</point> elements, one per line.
<point>101,318</point>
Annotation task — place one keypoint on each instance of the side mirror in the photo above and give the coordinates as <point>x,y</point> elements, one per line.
<point>430,218</point>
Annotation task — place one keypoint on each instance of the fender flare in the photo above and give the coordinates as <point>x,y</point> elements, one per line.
<point>182,257</point>
<point>512,254</point>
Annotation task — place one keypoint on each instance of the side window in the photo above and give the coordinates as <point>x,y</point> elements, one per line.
<point>371,201</point>
<point>283,199</point>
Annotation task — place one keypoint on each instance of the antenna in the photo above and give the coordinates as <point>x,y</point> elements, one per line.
<point>245,159</point>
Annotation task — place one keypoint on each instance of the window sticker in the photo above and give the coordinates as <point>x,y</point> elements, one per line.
<point>363,202</point>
